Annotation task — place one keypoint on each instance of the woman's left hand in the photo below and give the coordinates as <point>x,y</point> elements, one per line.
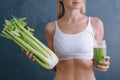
<point>104,65</point>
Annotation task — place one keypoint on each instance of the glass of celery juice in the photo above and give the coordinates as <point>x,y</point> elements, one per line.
<point>99,52</point>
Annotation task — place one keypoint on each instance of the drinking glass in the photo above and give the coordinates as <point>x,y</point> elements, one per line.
<point>99,52</point>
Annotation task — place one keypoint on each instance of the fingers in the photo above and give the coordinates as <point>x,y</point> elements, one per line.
<point>23,50</point>
<point>104,65</point>
<point>28,54</point>
<point>106,62</point>
<point>107,58</point>
<point>31,57</point>
<point>102,68</point>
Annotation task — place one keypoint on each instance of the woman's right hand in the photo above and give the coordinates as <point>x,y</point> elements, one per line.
<point>28,54</point>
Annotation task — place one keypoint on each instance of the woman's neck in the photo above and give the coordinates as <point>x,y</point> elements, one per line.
<point>72,16</point>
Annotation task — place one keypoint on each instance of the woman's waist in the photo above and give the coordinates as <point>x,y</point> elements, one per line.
<point>75,64</point>
<point>76,68</point>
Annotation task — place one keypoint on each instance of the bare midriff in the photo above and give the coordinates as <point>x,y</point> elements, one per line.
<point>74,69</point>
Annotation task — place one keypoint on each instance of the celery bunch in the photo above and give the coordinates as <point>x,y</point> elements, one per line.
<point>15,30</point>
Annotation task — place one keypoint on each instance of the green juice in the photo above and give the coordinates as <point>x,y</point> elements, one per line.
<point>99,53</point>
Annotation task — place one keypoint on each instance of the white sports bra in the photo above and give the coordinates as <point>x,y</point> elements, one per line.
<point>73,46</point>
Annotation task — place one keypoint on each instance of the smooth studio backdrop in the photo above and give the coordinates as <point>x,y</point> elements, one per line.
<point>14,65</point>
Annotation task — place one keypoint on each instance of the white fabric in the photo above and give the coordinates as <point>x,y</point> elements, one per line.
<point>72,46</point>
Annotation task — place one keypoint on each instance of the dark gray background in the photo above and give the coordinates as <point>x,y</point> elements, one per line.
<point>14,65</point>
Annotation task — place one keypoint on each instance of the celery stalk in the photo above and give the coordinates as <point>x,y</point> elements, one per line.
<point>22,43</point>
<point>14,29</point>
<point>37,41</point>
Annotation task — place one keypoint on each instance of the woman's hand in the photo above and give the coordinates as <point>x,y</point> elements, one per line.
<point>104,65</point>
<point>28,54</point>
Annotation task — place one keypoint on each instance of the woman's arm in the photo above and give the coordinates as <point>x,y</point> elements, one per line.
<point>98,29</point>
<point>49,33</point>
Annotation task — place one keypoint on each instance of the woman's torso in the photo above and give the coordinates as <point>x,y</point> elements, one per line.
<point>75,52</point>
<point>74,69</point>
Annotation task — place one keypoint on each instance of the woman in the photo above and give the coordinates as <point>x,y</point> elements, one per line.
<point>71,38</point>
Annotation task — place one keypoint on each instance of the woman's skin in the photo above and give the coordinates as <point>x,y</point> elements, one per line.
<point>73,22</point>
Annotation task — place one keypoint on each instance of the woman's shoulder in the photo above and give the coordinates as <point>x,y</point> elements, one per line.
<point>96,22</point>
<point>98,28</point>
<point>50,27</point>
